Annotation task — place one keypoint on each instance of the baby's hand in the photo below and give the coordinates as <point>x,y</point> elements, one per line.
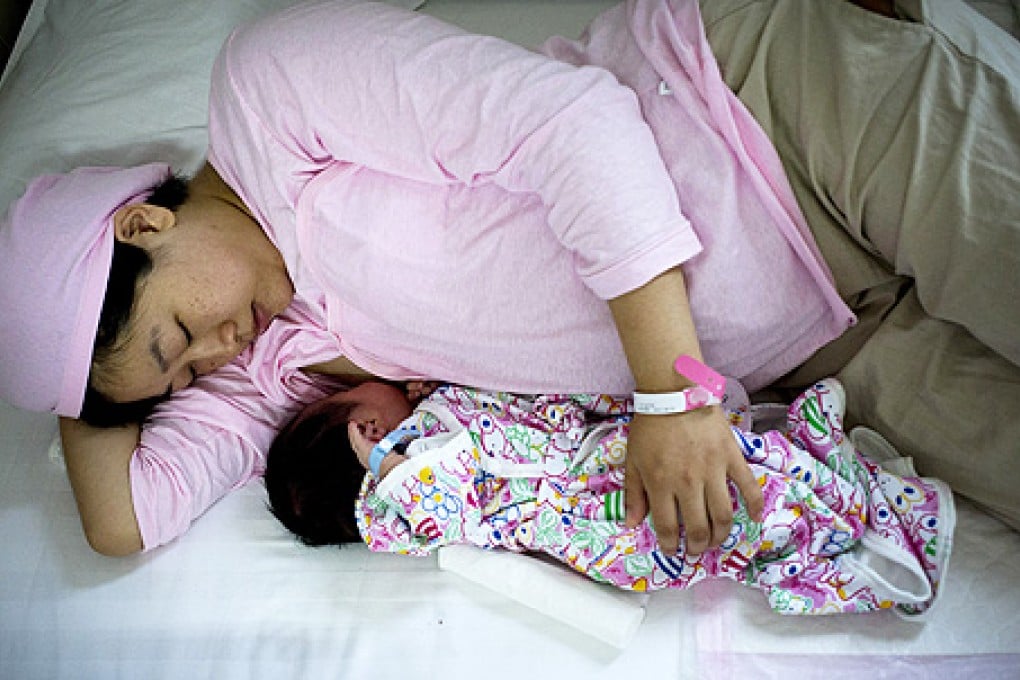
<point>419,389</point>
<point>392,460</point>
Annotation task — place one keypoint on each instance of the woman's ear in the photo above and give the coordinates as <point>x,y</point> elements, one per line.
<point>137,224</point>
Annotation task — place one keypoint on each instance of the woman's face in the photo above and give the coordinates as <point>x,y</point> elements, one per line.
<point>215,283</point>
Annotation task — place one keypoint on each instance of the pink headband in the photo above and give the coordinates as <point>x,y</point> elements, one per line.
<point>56,245</point>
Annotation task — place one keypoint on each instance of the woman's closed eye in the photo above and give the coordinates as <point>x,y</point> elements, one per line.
<point>188,338</point>
<point>185,331</point>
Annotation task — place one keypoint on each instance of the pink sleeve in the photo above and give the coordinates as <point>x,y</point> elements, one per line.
<point>201,444</point>
<point>407,95</point>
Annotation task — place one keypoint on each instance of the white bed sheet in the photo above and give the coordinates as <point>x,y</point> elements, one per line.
<point>238,598</point>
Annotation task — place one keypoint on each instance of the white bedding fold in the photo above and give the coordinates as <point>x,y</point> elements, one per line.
<point>609,615</point>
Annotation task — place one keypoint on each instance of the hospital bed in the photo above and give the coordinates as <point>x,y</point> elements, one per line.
<point>124,82</point>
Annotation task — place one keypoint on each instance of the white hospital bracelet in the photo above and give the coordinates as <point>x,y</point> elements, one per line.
<point>674,402</point>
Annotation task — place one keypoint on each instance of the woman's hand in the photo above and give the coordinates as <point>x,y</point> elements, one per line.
<point>679,466</point>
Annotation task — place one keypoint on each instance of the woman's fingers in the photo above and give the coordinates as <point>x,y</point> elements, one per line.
<point>697,531</point>
<point>680,470</point>
<point>749,489</point>
<point>720,509</point>
<point>634,498</point>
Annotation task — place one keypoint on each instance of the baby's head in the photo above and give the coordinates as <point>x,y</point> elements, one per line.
<point>316,464</point>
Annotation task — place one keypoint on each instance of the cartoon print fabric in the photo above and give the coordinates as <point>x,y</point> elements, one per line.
<point>839,532</point>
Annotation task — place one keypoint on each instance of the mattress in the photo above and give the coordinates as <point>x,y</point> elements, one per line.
<point>237,597</point>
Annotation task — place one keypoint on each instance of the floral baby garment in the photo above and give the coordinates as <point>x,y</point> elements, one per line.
<point>545,474</point>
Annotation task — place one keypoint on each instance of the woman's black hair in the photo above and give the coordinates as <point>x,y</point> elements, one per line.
<point>129,267</point>
<point>313,476</point>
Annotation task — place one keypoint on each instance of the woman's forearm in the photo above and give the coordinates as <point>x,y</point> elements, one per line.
<point>678,465</point>
<point>98,461</point>
<point>655,327</point>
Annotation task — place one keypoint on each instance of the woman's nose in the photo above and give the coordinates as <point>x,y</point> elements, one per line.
<point>217,349</point>
<point>228,335</point>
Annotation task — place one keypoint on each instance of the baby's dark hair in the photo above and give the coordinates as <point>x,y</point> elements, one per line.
<point>314,477</point>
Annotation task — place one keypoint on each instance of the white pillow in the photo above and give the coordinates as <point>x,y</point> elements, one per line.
<point>109,82</point>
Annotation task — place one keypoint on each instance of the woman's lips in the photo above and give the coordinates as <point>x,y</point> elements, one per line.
<point>260,319</point>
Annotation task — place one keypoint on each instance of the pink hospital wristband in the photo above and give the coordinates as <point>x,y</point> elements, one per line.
<point>708,390</point>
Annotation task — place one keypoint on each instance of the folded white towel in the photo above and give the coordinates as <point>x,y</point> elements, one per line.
<point>610,615</point>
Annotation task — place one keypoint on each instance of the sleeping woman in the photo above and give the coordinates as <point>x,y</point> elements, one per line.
<point>780,189</point>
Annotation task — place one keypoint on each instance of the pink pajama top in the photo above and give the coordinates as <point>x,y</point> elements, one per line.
<point>455,207</point>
